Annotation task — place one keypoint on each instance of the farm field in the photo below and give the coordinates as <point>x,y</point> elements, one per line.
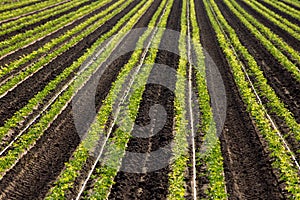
<point>149,99</point>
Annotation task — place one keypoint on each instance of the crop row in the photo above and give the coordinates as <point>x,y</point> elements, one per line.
<point>90,26</point>
<point>31,19</point>
<point>280,21</point>
<point>213,157</point>
<point>179,161</point>
<point>268,39</point>
<point>26,141</point>
<point>81,154</point>
<point>17,13</point>
<point>284,8</point>
<point>282,157</point>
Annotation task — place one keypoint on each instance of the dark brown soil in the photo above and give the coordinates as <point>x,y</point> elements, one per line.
<point>248,171</point>
<point>152,184</point>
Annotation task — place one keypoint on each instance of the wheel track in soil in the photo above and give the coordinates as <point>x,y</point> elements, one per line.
<point>281,13</point>
<point>290,40</point>
<point>248,171</point>
<point>152,185</point>
<point>12,56</point>
<point>287,89</point>
<point>40,167</point>
<point>30,87</point>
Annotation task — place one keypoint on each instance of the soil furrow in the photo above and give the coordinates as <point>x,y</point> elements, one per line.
<point>290,40</point>
<point>285,86</point>
<point>248,171</point>
<point>20,96</point>
<point>152,184</point>
<point>34,174</point>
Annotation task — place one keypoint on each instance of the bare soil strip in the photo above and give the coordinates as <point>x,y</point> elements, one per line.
<point>248,171</point>
<point>154,184</point>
